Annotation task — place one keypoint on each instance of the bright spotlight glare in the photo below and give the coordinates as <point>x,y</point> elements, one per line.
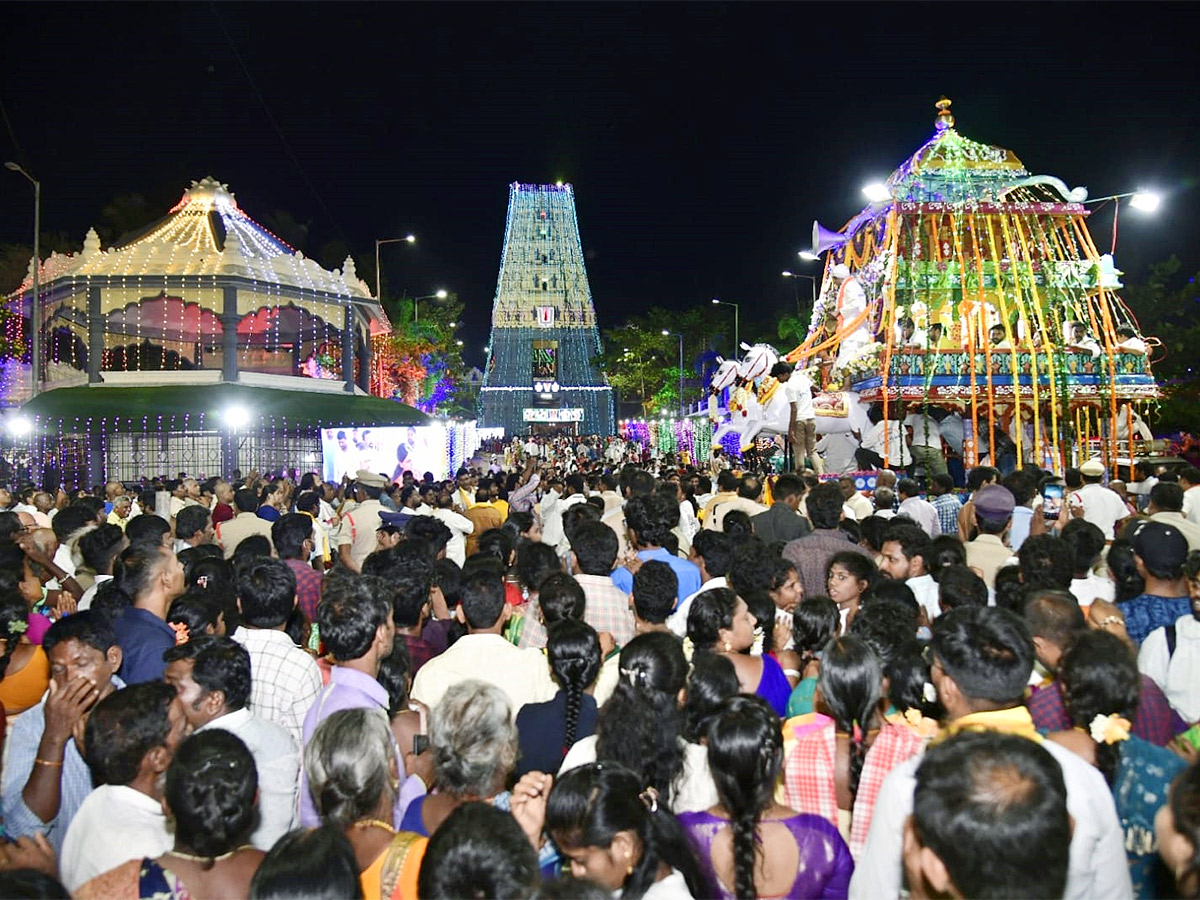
<point>665,332</point>
<point>441,295</point>
<point>807,255</point>
<point>786,274</point>
<point>877,192</point>
<point>1146,201</point>
<point>410,238</point>
<point>237,416</point>
<point>19,426</point>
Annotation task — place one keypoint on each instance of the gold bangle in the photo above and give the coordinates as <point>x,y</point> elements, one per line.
<point>38,761</point>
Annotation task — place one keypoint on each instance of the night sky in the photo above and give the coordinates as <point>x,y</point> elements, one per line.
<point>702,139</point>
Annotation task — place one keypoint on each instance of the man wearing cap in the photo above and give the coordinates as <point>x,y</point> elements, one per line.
<point>1096,503</point>
<point>993,509</point>
<point>1158,552</point>
<point>851,303</point>
<point>355,536</point>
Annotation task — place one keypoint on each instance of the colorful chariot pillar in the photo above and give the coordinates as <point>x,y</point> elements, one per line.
<point>986,295</point>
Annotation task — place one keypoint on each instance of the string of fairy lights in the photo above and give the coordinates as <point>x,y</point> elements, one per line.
<point>543,306</point>
<point>162,297</point>
<point>965,238</point>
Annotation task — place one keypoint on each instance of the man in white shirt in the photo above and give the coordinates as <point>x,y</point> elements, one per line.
<point>460,526</point>
<point>1176,669</point>
<point>131,738</point>
<point>1130,342</point>
<point>99,548</point>
<point>1003,785</point>
<point>905,547</point>
<point>982,658</point>
<point>859,506</point>
<point>802,432</point>
<point>884,499</point>
<point>926,442</point>
<point>1081,341</point>
<point>1095,502</point>
<point>1087,544</point>
<point>1189,480</point>
<point>711,553</point>
<point>837,450</point>
<point>884,446</point>
<point>919,510</point>
<point>851,303</point>
<point>909,335</point>
<point>212,678</point>
<point>484,654</point>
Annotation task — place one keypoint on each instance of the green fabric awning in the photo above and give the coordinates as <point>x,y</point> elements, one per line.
<point>201,407</point>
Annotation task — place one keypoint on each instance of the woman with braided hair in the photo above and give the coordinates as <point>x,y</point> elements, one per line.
<point>720,621</point>
<point>748,845</point>
<point>642,725</point>
<point>547,730</point>
<point>845,750</point>
<point>211,792</point>
<point>620,835</point>
<point>1100,687</point>
<point>24,668</point>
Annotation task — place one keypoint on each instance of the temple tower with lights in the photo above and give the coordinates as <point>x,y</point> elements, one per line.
<point>540,374</point>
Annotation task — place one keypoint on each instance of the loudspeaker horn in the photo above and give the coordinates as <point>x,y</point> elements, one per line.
<point>823,239</point>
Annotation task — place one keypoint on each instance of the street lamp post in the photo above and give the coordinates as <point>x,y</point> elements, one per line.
<point>35,304</point>
<point>407,239</point>
<point>439,294</point>
<point>680,336</point>
<point>737,337</point>
<point>812,281</point>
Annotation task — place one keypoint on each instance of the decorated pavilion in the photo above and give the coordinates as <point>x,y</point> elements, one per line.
<point>1014,313</point>
<point>202,344</point>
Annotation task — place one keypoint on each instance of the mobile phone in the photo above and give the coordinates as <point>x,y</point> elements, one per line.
<point>1052,501</point>
<point>420,744</point>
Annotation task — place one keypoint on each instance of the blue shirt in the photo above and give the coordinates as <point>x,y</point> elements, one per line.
<point>270,513</point>
<point>947,507</point>
<point>143,637</point>
<point>687,572</point>
<point>23,740</point>
<point>1146,612</point>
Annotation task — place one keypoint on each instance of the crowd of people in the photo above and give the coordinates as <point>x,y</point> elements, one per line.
<point>565,673</point>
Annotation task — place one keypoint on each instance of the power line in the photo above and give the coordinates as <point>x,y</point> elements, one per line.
<point>278,130</point>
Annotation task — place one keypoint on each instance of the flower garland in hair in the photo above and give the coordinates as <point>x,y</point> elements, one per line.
<point>17,626</point>
<point>1109,729</point>
<point>756,649</point>
<point>688,649</point>
<point>182,633</point>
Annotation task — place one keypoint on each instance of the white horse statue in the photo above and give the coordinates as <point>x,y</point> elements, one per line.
<point>836,411</point>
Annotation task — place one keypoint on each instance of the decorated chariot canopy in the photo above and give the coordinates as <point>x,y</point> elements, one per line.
<point>973,285</point>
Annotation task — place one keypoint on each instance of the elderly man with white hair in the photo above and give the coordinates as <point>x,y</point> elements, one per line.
<point>851,303</point>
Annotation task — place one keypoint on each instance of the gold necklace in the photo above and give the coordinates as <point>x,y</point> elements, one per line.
<point>194,858</point>
<point>374,823</point>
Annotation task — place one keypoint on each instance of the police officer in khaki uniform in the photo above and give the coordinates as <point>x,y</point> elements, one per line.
<point>355,535</point>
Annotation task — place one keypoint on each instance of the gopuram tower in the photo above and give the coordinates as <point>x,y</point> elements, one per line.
<point>539,376</point>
